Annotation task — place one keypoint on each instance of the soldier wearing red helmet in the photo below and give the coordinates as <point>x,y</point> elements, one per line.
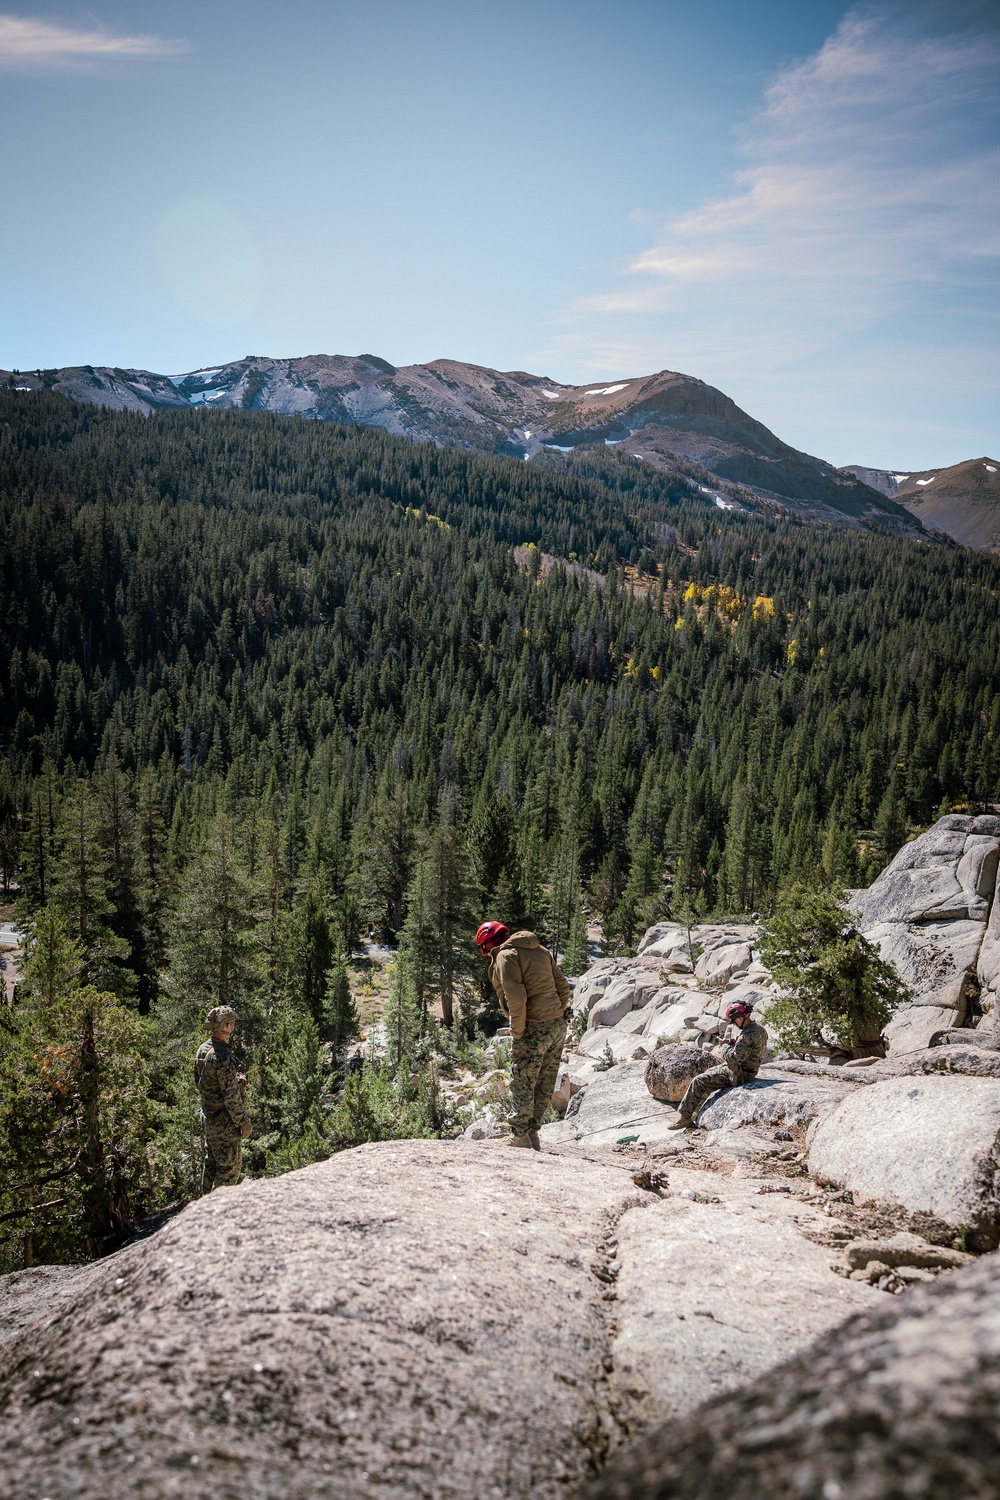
<point>534,995</point>
<point>741,1061</point>
<point>490,935</point>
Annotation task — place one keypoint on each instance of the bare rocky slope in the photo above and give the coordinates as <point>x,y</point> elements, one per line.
<point>920,1129</point>
<point>900,1404</point>
<point>663,419</point>
<point>962,500</point>
<point>933,912</point>
<point>417,1318</point>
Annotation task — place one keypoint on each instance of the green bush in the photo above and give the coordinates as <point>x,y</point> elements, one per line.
<point>836,982</point>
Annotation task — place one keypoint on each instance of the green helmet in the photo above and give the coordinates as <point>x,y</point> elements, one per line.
<point>219,1015</point>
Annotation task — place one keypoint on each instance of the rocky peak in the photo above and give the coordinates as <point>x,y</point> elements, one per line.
<point>667,419</point>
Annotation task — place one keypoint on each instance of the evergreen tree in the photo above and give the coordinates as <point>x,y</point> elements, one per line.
<point>890,826</point>
<point>576,959</point>
<point>313,947</point>
<point>80,885</point>
<point>835,978</point>
<point>441,922</point>
<point>403,1020</point>
<point>340,1016</point>
<point>384,859</point>
<point>746,876</point>
<point>495,857</point>
<point>214,958</point>
<point>73,1106</point>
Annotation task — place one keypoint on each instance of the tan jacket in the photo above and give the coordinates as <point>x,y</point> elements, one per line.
<point>528,981</point>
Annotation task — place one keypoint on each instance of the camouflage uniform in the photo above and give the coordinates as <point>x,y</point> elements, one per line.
<point>223,1112</point>
<point>743,1058</point>
<point>534,1067</point>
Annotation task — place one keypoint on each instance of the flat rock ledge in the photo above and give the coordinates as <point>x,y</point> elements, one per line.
<point>412,1319</point>
<point>929,1142</point>
<point>900,1402</point>
<point>381,1324</point>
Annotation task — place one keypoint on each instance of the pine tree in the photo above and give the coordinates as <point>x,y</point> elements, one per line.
<point>890,824</point>
<point>214,958</point>
<point>746,872</point>
<point>384,859</point>
<point>403,1021</point>
<point>441,921</point>
<point>577,959</point>
<point>620,926</point>
<point>39,845</point>
<point>73,1106</point>
<point>81,888</point>
<point>152,866</point>
<point>565,894</point>
<point>833,976</point>
<point>10,831</point>
<point>340,1017</point>
<point>313,946</point>
<point>118,839</point>
<point>494,849</point>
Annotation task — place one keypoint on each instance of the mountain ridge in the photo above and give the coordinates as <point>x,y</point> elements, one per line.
<point>663,419</point>
<point>961,499</point>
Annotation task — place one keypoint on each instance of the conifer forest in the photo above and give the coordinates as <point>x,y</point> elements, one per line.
<point>268,686</point>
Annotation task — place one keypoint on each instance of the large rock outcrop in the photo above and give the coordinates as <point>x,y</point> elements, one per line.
<point>611,1106</point>
<point>416,1318</point>
<point>617,1105</point>
<point>932,912</point>
<point>388,1323</point>
<point>690,1328</point>
<point>930,1143</point>
<point>38,1291</point>
<point>778,1096</point>
<point>902,1403</point>
<point>928,912</point>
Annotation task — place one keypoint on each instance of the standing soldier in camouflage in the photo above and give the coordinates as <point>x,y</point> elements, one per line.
<point>534,995</point>
<point>742,1060</point>
<point>223,1107</point>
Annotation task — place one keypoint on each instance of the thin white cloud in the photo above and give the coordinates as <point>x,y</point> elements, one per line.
<point>30,42</point>
<point>867,187</point>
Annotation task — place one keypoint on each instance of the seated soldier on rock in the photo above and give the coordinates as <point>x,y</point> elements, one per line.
<point>742,1060</point>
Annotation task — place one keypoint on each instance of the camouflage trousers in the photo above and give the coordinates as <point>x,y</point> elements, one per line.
<point>699,1088</point>
<point>534,1067</point>
<point>223,1152</point>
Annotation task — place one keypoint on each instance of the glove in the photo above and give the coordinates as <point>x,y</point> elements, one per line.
<point>246,1130</point>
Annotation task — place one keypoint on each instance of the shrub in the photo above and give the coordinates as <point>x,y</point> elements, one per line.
<point>835,980</point>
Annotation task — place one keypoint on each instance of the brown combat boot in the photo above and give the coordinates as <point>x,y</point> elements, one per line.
<point>520,1140</point>
<point>533,1137</point>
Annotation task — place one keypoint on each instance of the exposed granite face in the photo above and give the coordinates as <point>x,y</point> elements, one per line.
<point>385,1323</point>
<point>902,1401</point>
<point>929,1142</point>
<point>932,913</point>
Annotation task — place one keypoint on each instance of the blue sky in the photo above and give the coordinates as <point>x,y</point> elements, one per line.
<point>794,200</point>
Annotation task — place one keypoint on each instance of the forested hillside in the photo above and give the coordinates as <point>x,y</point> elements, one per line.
<point>264,682</point>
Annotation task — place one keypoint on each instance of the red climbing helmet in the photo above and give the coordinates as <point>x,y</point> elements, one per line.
<point>490,935</point>
<point>738,1010</point>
